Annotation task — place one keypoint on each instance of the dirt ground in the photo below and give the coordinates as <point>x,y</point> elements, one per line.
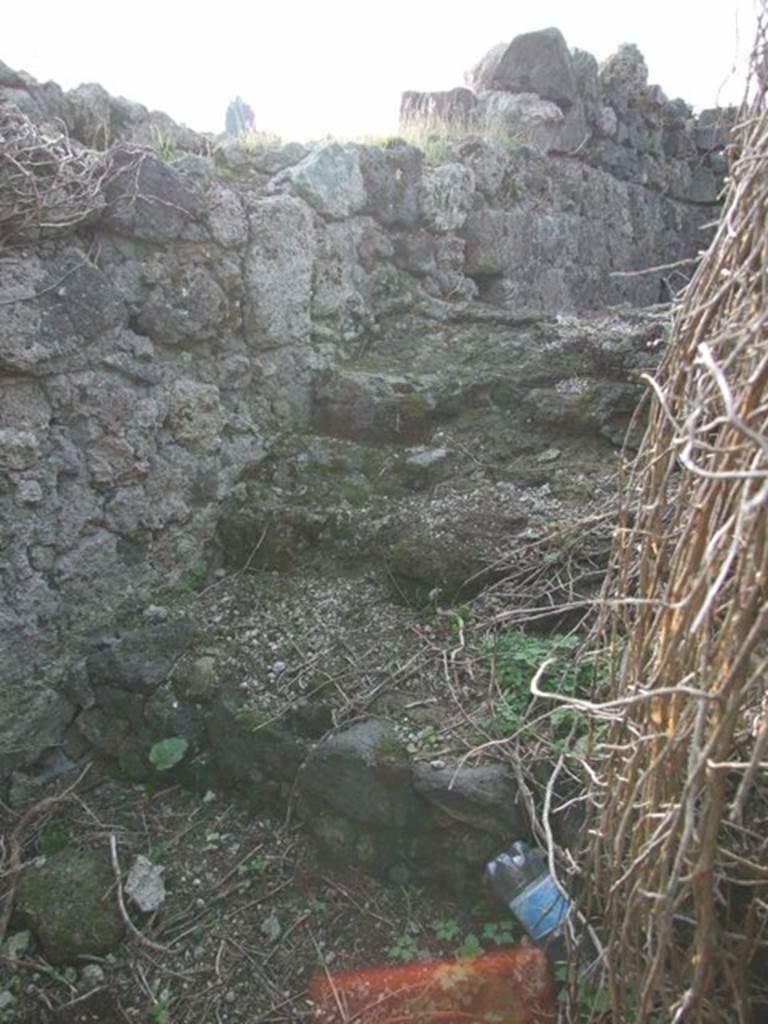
<point>251,915</point>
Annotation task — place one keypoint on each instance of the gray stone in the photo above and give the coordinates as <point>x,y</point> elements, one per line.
<point>330,180</point>
<point>195,416</point>
<point>362,773</point>
<point>146,198</point>
<point>226,218</point>
<point>67,904</point>
<point>536,62</point>
<point>392,177</point>
<point>488,162</point>
<point>141,660</point>
<point>713,127</point>
<point>480,76</point>
<point>90,104</point>
<point>248,747</point>
<point>194,309</point>
<point>373,407</point>
<point>91,976</point>
<point>485,797</point>
<point>624,75</point>
<point>278,273</point>
<point>33,718</point>
<point>446,196</point>
<point>63,304</point>
<point>145,884</point>
<point>522,119</point>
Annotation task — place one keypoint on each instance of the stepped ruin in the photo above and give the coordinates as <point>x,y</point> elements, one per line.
<point>365,374</point>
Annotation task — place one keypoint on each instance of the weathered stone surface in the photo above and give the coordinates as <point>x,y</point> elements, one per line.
<point>192,309</point>
<point>146,198</point>
<point>392,177</point>
<point>194,416</point>
<point>156,367</point>
<point>330,180</point>
<point>713,128</point>
<point>247,748</point>
<point>488,162</point>
<point>33,717</point>
<point>446,196</point>
<point>480,76</point>
<point>61,304</point>
<point>347,256</point>
<point>226,218</point>
<point>485,797</point>
<point>67,904</point>
<point>536,62</point>
<point>624,75</point>
<point>523,119</point>
<point>278,272</point>
<point>91,108</point>
<point>141,660</point>
<point>373,407</point>
<point>362,773</point>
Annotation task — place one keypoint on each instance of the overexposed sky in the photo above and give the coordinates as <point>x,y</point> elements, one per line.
<point>315,67</point>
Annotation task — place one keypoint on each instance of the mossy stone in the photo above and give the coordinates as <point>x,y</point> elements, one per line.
<point>68,904</point>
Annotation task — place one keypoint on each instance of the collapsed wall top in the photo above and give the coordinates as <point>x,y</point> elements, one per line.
<point>534,91</point>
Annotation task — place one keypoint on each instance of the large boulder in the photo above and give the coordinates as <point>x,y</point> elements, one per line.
<point>484,797</point>
<point>536,62</point>
<point>362,773</point>
<point>249,748</point>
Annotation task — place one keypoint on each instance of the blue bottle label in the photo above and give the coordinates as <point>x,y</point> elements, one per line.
<point>540,907</point>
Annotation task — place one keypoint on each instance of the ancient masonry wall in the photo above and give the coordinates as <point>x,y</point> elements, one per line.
<point>152,353</point>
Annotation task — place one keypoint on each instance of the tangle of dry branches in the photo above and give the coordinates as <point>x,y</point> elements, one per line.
<point>48,184</point>
<point>680,789</point>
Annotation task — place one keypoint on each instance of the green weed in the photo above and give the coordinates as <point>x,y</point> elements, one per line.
<point>446,929</point>
<point>404,948</point>
<point>471,946</point>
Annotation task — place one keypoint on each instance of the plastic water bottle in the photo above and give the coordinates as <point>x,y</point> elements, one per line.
<point>520,878</point>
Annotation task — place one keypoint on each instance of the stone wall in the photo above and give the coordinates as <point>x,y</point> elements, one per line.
<point>155,355</point>
<point>534,91</point>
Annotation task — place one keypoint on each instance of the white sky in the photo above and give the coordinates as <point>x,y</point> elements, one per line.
<point>315,67</point>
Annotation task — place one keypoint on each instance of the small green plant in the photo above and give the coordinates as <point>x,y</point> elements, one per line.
<point>53,840</point>
<point>404,948</point>
<point>516,657</point>
<point>446,929</point>
<point>163,145</point>
<point>430,736</point>
<point>167,753</point>
<point>470,947</point>
<point>252,869</point>
<point>255,866</point>
<point>500,933</point>
<point>319,908</point>
<point>194,580</point>
<point>160,1012</point>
